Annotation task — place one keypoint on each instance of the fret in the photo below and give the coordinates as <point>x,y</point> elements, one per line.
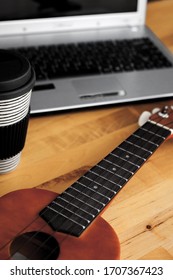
<point>61,223</point>
<point>156,129</point>
<point>144,144</point>
<point>79,203</point>
<point>84,192</point>
<point>59,210</point>
<point>85,198</point>
<point>133,149</point>
<point>113,178</point>
<point>74,216</point>
<point>109,175</point>
<point>101,194</point>
<point>102,181</point>
<point>119,169</point>
<point>112,171</point>
<point>153,138</point>
<point>98,185</point>
<point>135,145</point>
<point>128,157</point>
<point>73,208</point>
<point>124,174</point>
<point>121,162</point>
<point>101,178</point>
<point>91,193</point>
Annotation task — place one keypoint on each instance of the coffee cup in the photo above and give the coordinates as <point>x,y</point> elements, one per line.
<point>17,79</point>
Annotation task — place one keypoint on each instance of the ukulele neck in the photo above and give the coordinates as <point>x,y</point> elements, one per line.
<point>74,210</point>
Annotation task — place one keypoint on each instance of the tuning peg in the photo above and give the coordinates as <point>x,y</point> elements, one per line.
<point>144,118</point>
<point>155,110</point>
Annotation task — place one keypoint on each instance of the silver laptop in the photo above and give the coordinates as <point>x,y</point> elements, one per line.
<point>95,52</point>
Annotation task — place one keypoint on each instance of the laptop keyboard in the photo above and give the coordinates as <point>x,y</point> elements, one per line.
<point>58,61</point>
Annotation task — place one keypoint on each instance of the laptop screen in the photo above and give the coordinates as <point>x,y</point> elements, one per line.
<point>33,9</point>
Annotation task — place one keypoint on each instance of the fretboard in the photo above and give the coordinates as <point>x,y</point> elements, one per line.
<point>74,210</point>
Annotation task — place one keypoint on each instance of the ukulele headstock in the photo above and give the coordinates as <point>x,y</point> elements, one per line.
<point>163,116</point>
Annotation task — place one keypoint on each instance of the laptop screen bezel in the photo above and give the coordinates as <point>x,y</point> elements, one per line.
<point>71,23</point>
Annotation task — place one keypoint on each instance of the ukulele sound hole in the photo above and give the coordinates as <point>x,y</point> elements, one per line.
<point>34,246</point>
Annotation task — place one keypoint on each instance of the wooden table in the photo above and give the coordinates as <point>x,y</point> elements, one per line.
<point>62,147</point>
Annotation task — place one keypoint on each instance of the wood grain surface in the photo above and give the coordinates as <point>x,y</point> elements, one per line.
<point>62,147</point>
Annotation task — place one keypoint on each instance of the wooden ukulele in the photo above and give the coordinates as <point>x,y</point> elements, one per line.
<point>38,224</point>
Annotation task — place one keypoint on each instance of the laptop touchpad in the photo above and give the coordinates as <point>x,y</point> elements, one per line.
<point>98,86</point>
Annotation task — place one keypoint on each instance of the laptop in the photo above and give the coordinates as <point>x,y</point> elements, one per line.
<point>84,46</point>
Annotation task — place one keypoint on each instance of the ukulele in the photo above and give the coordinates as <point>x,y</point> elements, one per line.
<point>39,224</point>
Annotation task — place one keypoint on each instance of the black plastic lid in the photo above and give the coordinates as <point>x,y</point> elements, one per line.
<point>16,74</point>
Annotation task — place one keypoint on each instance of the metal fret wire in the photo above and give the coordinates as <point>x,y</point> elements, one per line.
<point>45,209</point>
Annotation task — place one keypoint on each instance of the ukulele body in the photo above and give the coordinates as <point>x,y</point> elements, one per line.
<point>19,215</point>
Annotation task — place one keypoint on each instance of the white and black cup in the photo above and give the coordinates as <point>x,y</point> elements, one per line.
<point>17,79</point>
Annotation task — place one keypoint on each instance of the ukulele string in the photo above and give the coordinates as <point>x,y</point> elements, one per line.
<point>19,233</point>
<point>34,235</point>
<point>54,232</point>
<point>55,217</point>
<point>43,227</point>
<point>150,139</point>
<point>134,148</point>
